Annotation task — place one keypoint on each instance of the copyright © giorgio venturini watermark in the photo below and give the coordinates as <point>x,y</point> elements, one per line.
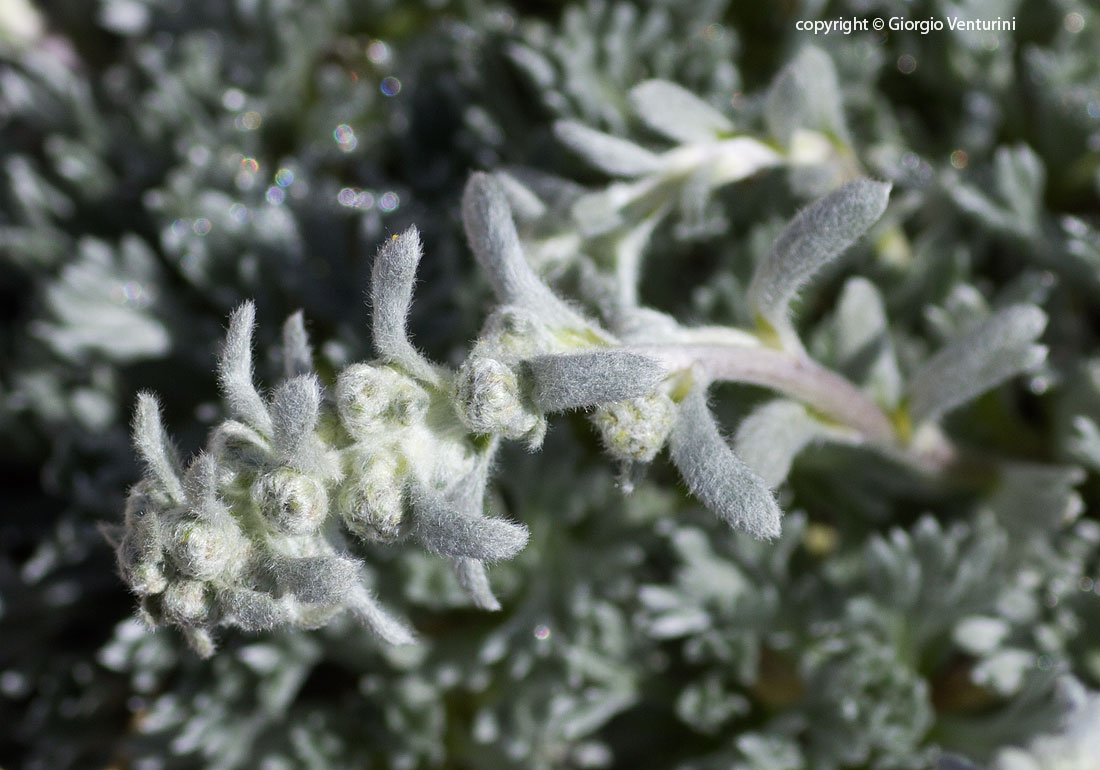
<point>852,25</point>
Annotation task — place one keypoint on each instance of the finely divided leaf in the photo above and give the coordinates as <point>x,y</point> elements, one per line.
<point>817,235</point>
<point>716,476</point>
<point>984,357</point>
<point>235,371</point>
<point>579,380</point>
<point>391,292</point>
<point>617,157</point>
<point>677,113</point>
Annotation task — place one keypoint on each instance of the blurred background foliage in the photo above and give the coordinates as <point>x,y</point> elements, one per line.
<point>162,160</point>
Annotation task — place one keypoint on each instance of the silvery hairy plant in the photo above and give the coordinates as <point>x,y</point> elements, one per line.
<point>253,531</point>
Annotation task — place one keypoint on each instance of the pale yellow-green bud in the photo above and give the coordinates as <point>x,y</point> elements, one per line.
<point>147,577</point>
<point>373,397</point>
<point>188,602</point>
<point>238,447</point>
<point>372,498</point>
<point>489,399</point>
<point>208,552</point>
<point>636,429</point>
<point>512,334</point>
<point>293,502</point>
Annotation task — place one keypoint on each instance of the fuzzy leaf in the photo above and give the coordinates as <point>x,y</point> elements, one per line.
<point>805,94</point>
<point>716,476</point>
<point>616,156</point>
<point>235,371</point>
<point>154,447</point>
<point>475,582</point>
<point>295,407</point>
<point>317,579</point>
<point>817,235</point>
<point>579,380</point>
<point>391,289</point>
<point>447,530</point>
<point>363,606</point>
<point>984,357</point>
<point>297,354</point>
<point>675,112</point>
<point>771,437</point>
<point>495,242</point>
<point>252,610</point>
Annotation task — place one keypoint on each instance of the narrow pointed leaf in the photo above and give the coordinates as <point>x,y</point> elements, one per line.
<point>235,371</point>
<point>771,437</point>
<point>495,242</point>
<point>816,236</point>
<point>474,580</point>
<point>154,447</point>
<point>677,113</point>
<point>392,282</point>
<point>445,529</point>
<point>579,380</point>
<point>297,354</point>
<point>980,359</point>
<point>716,476</point>
<point>387,628</point>
<point>616,156</point>
<point>295,407</point>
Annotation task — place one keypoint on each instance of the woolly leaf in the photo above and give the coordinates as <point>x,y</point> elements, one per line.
<point>984,357</point>
<point>252,610</point>
<point>475,582</point>
<point>363,606</point>
<point>317,579</point>
<point>617,157</point>
<point>447,530</point>
<point>716,476</point>
<point>771,437</point>
<point>154,447</point>
<point>806,95</point>
<point>295,407</point>
<point>495,242</point>
<point>235,371</point>
<point>297,354</point>
<point>677,113</point>
<point>391,289</point>
<point>578,380</point>
<point>817,235</point>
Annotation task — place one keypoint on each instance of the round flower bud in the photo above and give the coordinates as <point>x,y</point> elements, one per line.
<point>187,602</point>
<point>372,498</point>
<point>295,503</point>
<point>488,399</point>
<point>370,397</point>
<point>636,429</point>
<point>206,551</point>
